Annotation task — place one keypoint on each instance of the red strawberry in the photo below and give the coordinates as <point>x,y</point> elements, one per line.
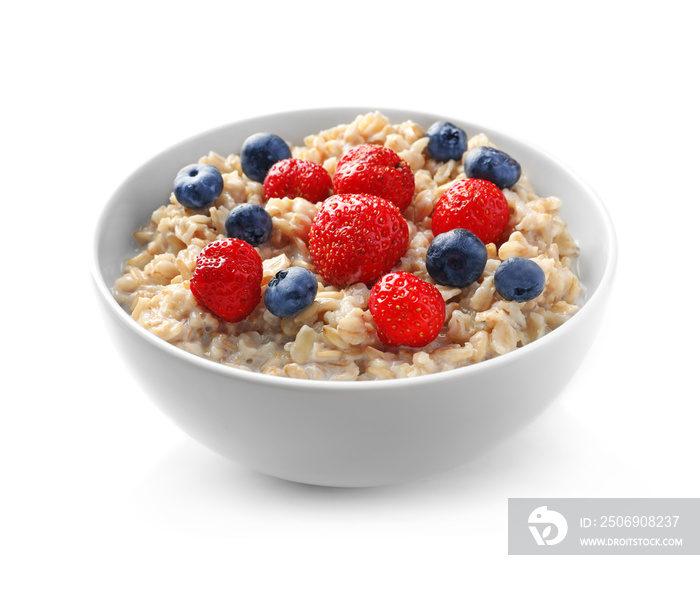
<point>294,178</point>
<point>226,279</point>
<point>406,310</point>
<point>377,170</point>
<point>475,205</point>
<point>356,238</point>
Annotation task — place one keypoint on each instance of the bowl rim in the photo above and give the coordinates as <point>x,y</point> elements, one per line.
<point>310,385</point>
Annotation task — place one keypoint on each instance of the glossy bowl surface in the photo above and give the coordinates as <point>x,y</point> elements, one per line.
<point>352,433</point>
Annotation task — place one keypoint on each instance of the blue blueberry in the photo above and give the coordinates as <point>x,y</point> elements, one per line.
<point>259,152</point>
<point>290,291</point>
<point>250,223</point>
<point>519,279</point>
<point>197,186</point>
<point>446,141</point>
<point>456,258</point>
<point>492,165</point>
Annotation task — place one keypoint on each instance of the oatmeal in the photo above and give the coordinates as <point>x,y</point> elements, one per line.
<point>335,337</point>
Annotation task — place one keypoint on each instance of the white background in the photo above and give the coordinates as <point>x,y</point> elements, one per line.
<point>108,507</point>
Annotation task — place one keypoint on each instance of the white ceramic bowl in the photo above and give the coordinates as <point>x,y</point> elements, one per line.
<point>351,433</point>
